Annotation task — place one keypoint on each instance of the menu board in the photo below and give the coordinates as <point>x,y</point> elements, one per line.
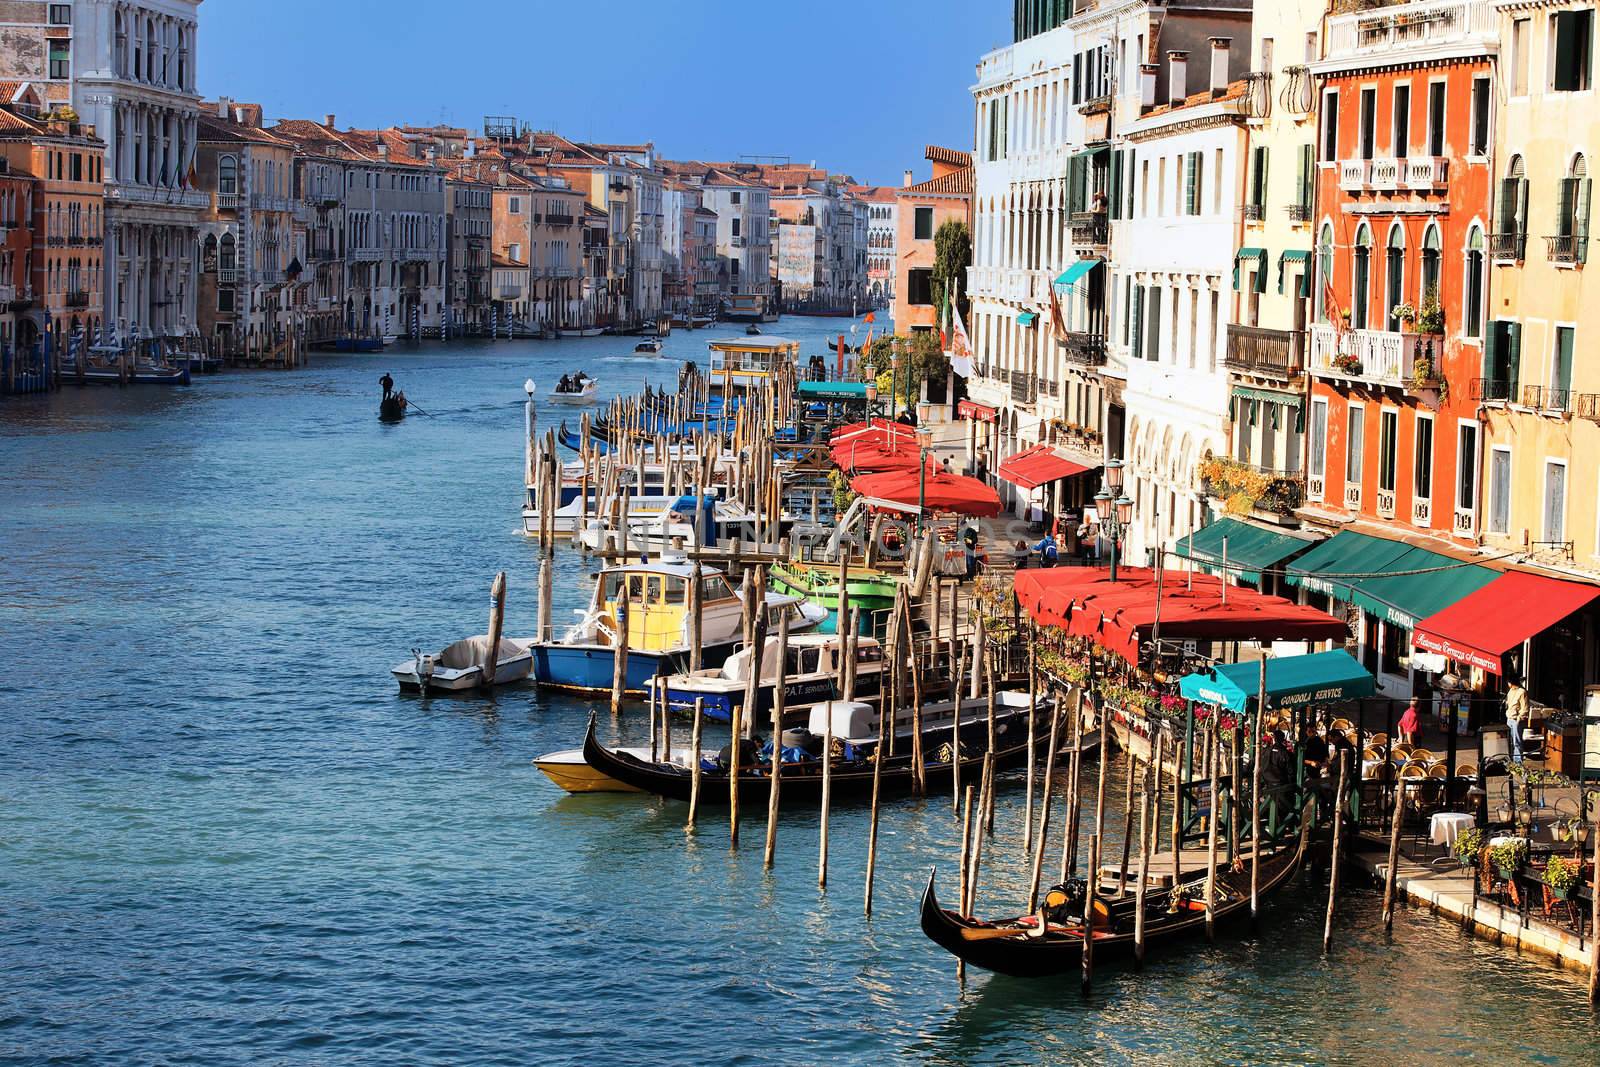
<point>1591,729</point>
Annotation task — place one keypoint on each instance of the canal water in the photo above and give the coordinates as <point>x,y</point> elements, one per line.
<point>224,837</point>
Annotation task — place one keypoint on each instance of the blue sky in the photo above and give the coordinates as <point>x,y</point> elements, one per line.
<point>857,85</point>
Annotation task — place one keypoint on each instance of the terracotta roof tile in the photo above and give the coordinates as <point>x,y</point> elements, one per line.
<point>956,183</point>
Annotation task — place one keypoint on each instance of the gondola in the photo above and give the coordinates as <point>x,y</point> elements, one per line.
<point>1016,947</point>
<point>391,409</point>
<point>802,782</point>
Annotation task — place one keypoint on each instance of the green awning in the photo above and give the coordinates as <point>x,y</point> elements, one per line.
<point>1251,547</point>
<point>1260,256</point>
<point>1268,396</point>
<point>1078,271</point>
<point>1026,318</point>
<point>1296,255</point>
<point>1389,579</point>
<point>1320,678</point>
<point>833,390</point>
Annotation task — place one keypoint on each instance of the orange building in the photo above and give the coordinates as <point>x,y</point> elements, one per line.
<point>921,210</point>
<point>58,274</point>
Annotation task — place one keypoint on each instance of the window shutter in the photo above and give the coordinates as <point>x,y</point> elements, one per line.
<point>1236,269</point>
<point>1582,221</point>
<point>1492,344</point>
<point>1190,161</point>
<point>1513,357</point>
<point>1153,345</point>
<point>1136,349</point>
<point>1077,182</point>
<point>1566,24</point>
<point>1116,184</point>
<point>1302,175</point>
<point>1261,177</point>
<point>1261,273</point>
<point>1505,221</point>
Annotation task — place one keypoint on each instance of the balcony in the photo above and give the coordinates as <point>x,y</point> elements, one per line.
<point>226,202</point>
<point>161,195</point>
<point>1563,249</point>
<point>1545,398</point>
<point>1099,105</point>
<point>1253,212</point>
<point>228,276</point>
<point>1385,175</point>
<point>364,255</point>
<point>1427,173</point>
<point>258,202</point>
<point>1246,487</point>
<point>1406,361</point>
<point>1258,94</point>
<point>559,220</point>
<point>269,277</point>
<point>1587,406</point>
<point>1086,349</point>
<point>1267,353</point>
<point>1492,390</point>
<point>77,298</point>
<point>1089,229</point>
<point>1023,388</point>
<point>1298,212</point>
<point>1508,246</point>
<point>507,292</point>
<point>1370,31</point>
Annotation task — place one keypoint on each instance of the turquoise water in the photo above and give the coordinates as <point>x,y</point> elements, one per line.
<point>224,837</point>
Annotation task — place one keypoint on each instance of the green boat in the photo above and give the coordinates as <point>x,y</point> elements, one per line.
<point>871,591</point>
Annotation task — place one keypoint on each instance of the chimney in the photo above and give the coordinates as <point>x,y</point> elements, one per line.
<point>1177,76</point>
<point>431,154</point>
<point>224,108</point>
<point>1147,85</point>
<point>329,121</point>
<point>383,151</point>
<point>471,151</point>
<point>1221,48</point>
<point>910,179</point>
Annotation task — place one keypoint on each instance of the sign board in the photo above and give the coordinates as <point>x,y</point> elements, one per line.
<point>1591,730</point>
<point>797,249</point>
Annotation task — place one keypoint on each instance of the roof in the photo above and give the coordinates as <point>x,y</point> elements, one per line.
<point>956,183</point>
<point>1233,91</point>
<point>210,128</point>
<point>952,156</point>
<point>505,261</point>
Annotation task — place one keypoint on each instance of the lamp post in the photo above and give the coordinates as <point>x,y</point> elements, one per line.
<point>1115,510</point>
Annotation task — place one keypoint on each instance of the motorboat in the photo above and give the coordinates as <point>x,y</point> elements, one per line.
<point>655,597</point>
<point>583,331</point>
<point>870,590</point>
<point>581,390</point>
<point>460,666</point>
<point>653,529</point>
<point>649,346</point>
<point>752,330</point>
<point>573,519</point>
<point>814,672</point>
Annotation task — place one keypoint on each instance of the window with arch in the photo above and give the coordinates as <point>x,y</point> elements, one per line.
<point>227,258</point>
<point>228,175</point>
<point>1395,274</point>
<point>1431,262</point>
<point>1472,302</point>
<point>1571,243</point>
<point>1510,237</point>
<point>1324,267</point>
<point>1361,281</point>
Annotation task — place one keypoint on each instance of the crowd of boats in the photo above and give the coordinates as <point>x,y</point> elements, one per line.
<point>834,648</point>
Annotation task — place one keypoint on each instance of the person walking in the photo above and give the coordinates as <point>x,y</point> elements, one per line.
<point>1408,725</point>
<point>1516,715</point>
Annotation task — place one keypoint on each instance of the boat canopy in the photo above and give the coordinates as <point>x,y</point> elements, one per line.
<point>1121,615</point>
<point>1320,678</point>
<point>833,391</point>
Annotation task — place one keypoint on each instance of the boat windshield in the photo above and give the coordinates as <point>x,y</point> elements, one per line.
<point>646,588</point>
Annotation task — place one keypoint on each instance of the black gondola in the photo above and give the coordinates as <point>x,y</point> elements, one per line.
<point>802,782</point>
<point>1017,947</point>
<point>391,408</point>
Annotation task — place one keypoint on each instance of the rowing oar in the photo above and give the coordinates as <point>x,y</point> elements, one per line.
<point>410,407</point>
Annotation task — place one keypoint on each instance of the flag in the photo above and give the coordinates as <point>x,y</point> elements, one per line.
<point>840,361</point>
<point>1058,324</point>
<point>960,345</point>
<point>1331,308</point>
<point>871,317</point>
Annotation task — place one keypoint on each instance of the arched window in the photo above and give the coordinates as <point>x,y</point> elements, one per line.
<point>1361,284</point>
<point>208,254</point>
<point>1510,238</point>
<point>1472,304</point>
<point>1324,269</point>
<point>1571,244</point>
<point>1395,274</point>
<point>1430,263</point>
<point>228,259</point>
<point>228,175</point>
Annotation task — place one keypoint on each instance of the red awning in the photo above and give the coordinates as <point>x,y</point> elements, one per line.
<point>866,454</point>
<point>953,493</point>
<point>1039,465</point>
<point>1121,615</point>
<point>1483,626</point>
<point>969,409</point>
<point>877,429</point>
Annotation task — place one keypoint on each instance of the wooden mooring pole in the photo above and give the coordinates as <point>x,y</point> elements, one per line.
<point>777,741</point>
<point>694,761</point>
<point>1333,861</point>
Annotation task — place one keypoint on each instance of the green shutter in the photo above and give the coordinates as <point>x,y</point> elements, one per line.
<point>1136,349</point>
<point>1077,183</point>
<point>1261,273</point>
<point>1505,217</point>
<point>1566,220</point>
<point>1566,25</point>
<point>1493,343</point>
<point>1563,367</point>
<point>1513,357</point>
<point>1153,349</point>
<point>1583,220</point>
<point>1116,184</point>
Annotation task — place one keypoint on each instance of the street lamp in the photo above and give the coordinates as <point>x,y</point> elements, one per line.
<point>1114,509</point>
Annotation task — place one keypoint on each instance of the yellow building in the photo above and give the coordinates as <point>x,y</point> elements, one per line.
<point>1272,290</point>
<point>1541,402</point>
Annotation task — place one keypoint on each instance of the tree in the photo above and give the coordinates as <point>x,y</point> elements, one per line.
<point>921,359</point>
<point>952,255</point>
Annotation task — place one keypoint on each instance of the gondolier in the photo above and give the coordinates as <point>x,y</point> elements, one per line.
<point>388,385</point>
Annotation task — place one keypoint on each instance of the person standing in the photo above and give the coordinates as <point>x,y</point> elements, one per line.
<point>1409,724</point>
<point>387,383</point>
<point>1516,715</point>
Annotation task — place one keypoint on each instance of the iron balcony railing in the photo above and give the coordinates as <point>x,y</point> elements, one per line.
<point>1492,390</point>
<point>1562,249</point>
<point>1089,228</point>
<point>1546,398</point>
<point>1508,246</point>
<point>1089,349</point>
<point>1023,388</point>
<point>1274,353</point>
<point>1298,212</point>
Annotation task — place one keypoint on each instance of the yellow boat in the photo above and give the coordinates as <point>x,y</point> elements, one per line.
<point>572,772</point>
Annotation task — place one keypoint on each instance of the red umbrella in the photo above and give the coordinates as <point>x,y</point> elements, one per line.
<point>939,492</point>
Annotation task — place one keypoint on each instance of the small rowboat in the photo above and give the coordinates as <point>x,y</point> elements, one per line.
<point>583,394</point>
<point>391,408</point>
<point>571,771</point>
<point>1050,941</point>
<point>460,666</point>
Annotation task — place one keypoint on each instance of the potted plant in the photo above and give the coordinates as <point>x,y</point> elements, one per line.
<point>1430,316</point>
<point>1347,362</point>
<point>1404,313</point>
<point>1468,845</point>
<point>1507,856</point>
<point>1560,876</point>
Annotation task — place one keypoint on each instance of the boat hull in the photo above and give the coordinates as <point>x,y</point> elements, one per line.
<point>590,668</point>
<point>447,680</point>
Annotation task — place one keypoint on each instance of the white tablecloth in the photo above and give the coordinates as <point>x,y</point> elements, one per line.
<point>1446,826</point>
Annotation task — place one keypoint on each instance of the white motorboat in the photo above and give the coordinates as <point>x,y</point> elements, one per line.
<point>460,666</point>
<point>653,530</point>
<point>814,673</point>
<point>580,391</point>
<point>650,346</point>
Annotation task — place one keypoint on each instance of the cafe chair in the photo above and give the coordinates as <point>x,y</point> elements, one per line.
<point>1378,739</point>
<point>1438,770</point>
<point>1466,770</point>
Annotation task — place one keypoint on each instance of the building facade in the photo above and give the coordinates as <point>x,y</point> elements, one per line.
<point>919,211</point>
<point>470,201</point>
